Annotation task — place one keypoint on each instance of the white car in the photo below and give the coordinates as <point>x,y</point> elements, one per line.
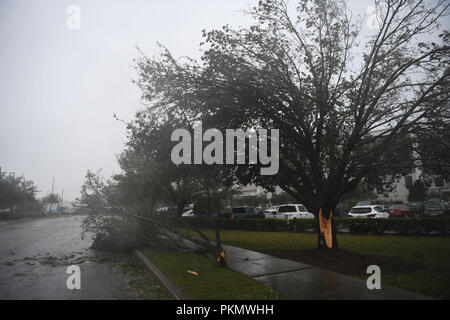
<point>271,212</point>
<point>293,212</point>
<point>162,210</point>
<point>372,211</point>
<point>189,214</point>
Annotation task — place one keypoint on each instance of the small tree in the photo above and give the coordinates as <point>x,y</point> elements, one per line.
<point>52,199</point>
<point>15,191</point>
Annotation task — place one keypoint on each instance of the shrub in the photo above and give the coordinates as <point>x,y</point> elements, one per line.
<point>403,226</point>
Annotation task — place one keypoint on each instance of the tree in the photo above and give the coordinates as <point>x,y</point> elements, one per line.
<point>51,199</point>
<point>140,182</point>
<point>115,227</point>
<point>149,177</point>
<point>282,198</point>
<point>255,201</point>
<point>418,191</point>
<point>147,161</point>
<point>339,115</point>
<point>204,186</point>
<point>432,136</point>
<point>15,191</point>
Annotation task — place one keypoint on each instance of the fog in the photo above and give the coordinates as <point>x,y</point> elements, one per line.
<point>60,88</point>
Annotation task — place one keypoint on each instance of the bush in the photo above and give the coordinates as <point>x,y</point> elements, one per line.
<point>403,226</point>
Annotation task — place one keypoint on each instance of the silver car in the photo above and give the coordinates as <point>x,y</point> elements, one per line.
<point>372,211</point>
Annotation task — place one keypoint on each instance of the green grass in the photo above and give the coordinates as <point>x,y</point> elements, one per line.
<point>432,252</point>
<point>212,281</point>
<point>261,241</point>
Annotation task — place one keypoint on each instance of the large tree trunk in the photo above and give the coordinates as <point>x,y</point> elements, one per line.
<point>326,229</point>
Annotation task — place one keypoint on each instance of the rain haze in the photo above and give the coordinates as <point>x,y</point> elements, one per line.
<point>60,88</point>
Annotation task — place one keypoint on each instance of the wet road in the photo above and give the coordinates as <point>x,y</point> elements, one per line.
<point>35,254</point>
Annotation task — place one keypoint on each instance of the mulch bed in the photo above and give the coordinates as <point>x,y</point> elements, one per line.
<point>349,262</point>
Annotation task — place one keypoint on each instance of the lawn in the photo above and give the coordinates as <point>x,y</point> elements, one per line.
<point>432,253</point>
<point>201,278</point>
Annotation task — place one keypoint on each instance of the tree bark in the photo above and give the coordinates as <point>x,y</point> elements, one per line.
<point>326,229</point>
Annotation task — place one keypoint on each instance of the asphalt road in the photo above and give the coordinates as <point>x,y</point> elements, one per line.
<point>35,254</point>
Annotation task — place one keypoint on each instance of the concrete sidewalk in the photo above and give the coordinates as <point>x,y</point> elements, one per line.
<point>303,281</point>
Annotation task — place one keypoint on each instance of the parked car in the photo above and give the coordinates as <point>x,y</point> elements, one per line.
<point>271,212</point>
<point>416,206</point>
<point>293,212</point>
<point>447,204</point>
<point>435,208</point>
<point>372,211</point>
<point>223,215</point>
<point>246,213</point>
<point>189,214</point>
<point>220,214</point>
<point>162,210</point>
<point>379,203</point>
<point>400,210</point>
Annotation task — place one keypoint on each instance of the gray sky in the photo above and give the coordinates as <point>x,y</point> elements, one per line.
<point>59,88</point>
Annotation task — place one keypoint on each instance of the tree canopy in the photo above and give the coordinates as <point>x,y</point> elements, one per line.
<point>344,104</point>
<point>15,191</point>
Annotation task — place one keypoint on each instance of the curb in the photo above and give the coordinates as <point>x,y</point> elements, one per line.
<point>171,289</point>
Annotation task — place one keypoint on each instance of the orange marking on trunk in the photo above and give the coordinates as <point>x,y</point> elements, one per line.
<point>326,228</point>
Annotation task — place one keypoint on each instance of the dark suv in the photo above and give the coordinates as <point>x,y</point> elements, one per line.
<point>246,213</point>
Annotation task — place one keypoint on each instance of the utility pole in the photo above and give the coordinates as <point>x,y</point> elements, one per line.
<point>53,187</point>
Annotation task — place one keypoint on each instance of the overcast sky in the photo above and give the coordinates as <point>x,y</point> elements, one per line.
<point>59,88</point>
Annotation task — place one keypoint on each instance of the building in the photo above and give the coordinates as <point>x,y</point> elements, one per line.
<point>437,186</point>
